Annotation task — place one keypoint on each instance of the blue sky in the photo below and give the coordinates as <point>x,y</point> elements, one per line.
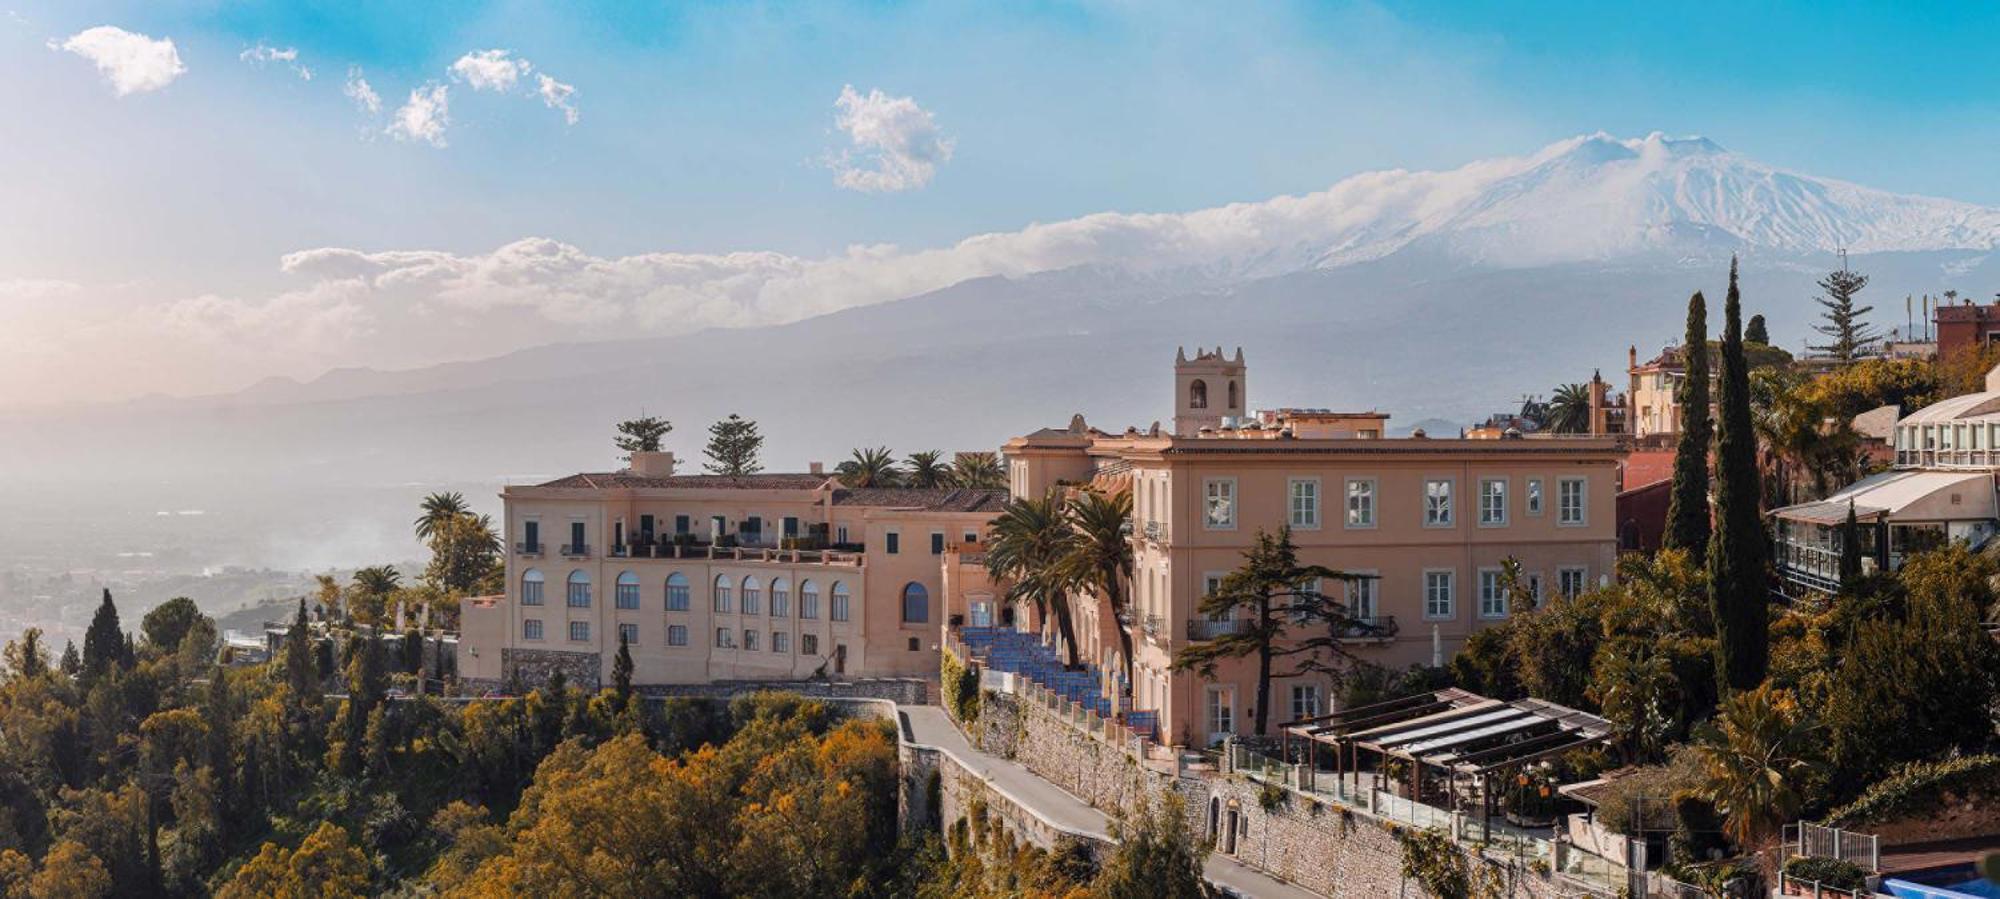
<point>710,128</point>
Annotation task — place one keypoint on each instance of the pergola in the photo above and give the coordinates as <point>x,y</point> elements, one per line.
<point>1459,736</point>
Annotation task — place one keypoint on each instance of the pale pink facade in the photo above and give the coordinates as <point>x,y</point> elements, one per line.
<point>765,577</point>
<point>1432,520</point>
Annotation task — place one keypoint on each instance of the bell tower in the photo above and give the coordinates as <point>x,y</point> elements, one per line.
<point>1208,389</point>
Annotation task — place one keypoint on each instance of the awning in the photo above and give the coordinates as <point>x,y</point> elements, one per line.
<point>1905,496</point>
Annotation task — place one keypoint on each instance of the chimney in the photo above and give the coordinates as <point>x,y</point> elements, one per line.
<point>816,468</point>
<point>653,465</point>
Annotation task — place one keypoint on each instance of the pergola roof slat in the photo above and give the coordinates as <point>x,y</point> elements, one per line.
<point>1518,724</point>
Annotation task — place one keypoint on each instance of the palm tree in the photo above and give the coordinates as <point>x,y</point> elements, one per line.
<point>378,580</point>
<point>979,471</point>
<point>1802,443</point>
<point>1754,757</point>
<point>872,467</point>
<point>1029,540</point>
<point>1569,409</point>
<point>927,469</point>
<point>1100,556</point>
<point>438,507</point>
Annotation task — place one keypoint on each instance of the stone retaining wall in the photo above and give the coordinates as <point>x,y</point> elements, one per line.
<point>902,691</point>
<point>533,667</point>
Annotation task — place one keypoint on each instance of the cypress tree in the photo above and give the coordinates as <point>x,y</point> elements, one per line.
<point>621,673</point>
<point>104,642</point>
<point>1738,591</point>
<point>1756,332</point>
<point>301,669</point>
<point>1687,505</point>
<point>1850,547</point>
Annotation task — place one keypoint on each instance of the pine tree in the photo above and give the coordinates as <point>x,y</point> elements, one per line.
<point>733,445</point>
<point>1848,334</point>
<point>72,661</point>
<point>1755,332</point>
<point>104,642</point>
<point>1737,588</point>
<point>621,672</point>
<point>1687,505</point>
<point>1850,547</point>
<point>642,435</point>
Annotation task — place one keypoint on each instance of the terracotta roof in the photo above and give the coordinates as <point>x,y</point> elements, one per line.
<point>942,499</point>
<point>617,479</point>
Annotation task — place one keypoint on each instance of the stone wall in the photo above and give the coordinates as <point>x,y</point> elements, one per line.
<point>1320,846</point>
<point>532,667</point>
<point>903,691</point>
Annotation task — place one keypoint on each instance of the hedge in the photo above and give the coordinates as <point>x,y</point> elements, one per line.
<point>1839,874</point>
<point>1918,788</point>
<point>959,684</point>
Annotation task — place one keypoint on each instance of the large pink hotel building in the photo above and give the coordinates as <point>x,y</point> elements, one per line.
<point>1432,519</point>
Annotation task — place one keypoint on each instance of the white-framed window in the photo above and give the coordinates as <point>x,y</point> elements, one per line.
<point>753,595</point>
<point>1571,501</point>
<point>1218,506</point>
<point>1493,501</point>
<point>629,633</point>
<point>1437,503</point>
<point>1571,581</point>
<point>781,641</point>
<point>1361,502</point>
<point>725,638</point>
<point>837,606</point>
<point>1305,701</point>
<point>626,595</point>
<point>1303,502</point>
<point>1361,596</point>
<point>749,640</point>
<point>808,644</point>
<point>1221,711</point>
<point>724,594</point>
<point>677,635</point>
<point>1535,586</point>
<point>579,589</point>
<point>781,598</point>
<point>531,587</point>
<point>579,631</point>
<point>808,600</point>
<point>1534,499</point>
<point>531,629</point>
<point>1492,594</point>
<point>1438,600</point>
<point>677,592</point>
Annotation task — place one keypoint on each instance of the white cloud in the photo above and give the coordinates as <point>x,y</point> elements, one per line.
<point>893,143</point>
<point>494,70</point>
<point>424,117</point>
<point>556,95</point>
<point>133,63</point>
<point>264,54</point>
<point>364,96</point>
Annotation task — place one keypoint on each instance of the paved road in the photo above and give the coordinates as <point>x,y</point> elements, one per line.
<point>927,725</point>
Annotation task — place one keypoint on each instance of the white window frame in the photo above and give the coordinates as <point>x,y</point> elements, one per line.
<point>1534,579</point>
<point>1582,580</point>
<point>749,640</point>
<point>1310,520</point>
<point>1367,498</point>
<point>1492,517</point>
<point>1209,495</point>
<point>531,630</point>
<point>1582,518</point>
<point>573,638</point>
<point>1450,612</point>
<point>1533,501</point>
<point>1218,710</point>
<point>677,630</point>
<point>633,639</point>
<point>1450,516</point>
<point>1313,707</point>
<point>1493,604</point>
<point>839,603</point>
<point>1371,587</point>
<point>725,638</point>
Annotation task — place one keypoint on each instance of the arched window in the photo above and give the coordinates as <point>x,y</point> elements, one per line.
<point>837,606</point>
<point>627,596</point>
<point>753,595</point>
<point>781,598</point>
<point>722,598</point>
<point>916,603</point>
<point>579,589</point>
<point>1232,395</point>
<point>808,599</point>
<point>531,587</point>
<point>1198,394</point>
<point>677,592</point>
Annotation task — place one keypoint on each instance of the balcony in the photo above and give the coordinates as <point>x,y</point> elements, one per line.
<point>1374,628</point>
<point>1155,627</point>
<point>1155,531</point>
<point>1209,629</point>
<point>708,552</point>
<point>576,550</point>
<point>525,548</point>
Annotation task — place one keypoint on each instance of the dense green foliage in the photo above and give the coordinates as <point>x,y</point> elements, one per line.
<point>733,447</point>
<point>642,435</point>
<point>958,684</point>
<point>1921,787</point>
<point>1687,504</point>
